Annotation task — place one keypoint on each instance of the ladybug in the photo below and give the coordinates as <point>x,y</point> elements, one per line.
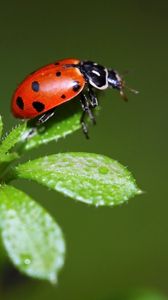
<point>43,90</point>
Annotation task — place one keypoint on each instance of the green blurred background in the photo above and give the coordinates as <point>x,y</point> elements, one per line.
<point>110,251</point>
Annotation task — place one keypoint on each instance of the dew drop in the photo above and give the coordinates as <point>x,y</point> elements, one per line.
<point>26,259</point>
<point>103,170</point>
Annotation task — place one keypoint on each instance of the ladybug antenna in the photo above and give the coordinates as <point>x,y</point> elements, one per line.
<point>131,90</point>
<point>124,87</point>
<point>122,93</point>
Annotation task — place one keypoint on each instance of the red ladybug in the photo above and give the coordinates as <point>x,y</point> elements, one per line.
<point>42,91</point>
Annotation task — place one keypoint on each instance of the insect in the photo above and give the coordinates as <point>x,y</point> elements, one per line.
<point>43,90</point>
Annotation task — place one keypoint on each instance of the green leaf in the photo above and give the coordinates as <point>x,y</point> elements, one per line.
<point>32,239</point>
<point>65,121</point>
<point>8,157</point>
<point>87,177</point>
<point>5,160</point>
<point>55,129</point>
<point>15,136</point>
<point>1,126</point>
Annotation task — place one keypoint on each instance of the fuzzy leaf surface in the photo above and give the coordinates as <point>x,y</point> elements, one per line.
<point>54,129</point>
<point>15,136</point>
<point>87,177</point>
<point>32,239</point>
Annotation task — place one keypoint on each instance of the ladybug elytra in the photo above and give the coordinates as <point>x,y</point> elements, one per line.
<point>42,91</point>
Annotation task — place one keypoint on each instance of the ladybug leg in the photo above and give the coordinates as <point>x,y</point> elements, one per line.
<point>92,96</point>
<point>86,110</point>
<point>40,121</point>
<point>31,133</point>
<point>84,126</point>
<point>45,117</point>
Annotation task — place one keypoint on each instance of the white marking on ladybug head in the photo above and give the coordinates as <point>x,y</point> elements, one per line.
<point>103,87</point>
<point>96,72</point>
<point>119,78</point>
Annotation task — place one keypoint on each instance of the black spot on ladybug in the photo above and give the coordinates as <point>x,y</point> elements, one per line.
<point>63,96</point>
<point>20,103</point>
<point>35,86</point>
<point>39,106</point>
<point>76,86</point>
<point>57,64</point>
<point>58,74</point>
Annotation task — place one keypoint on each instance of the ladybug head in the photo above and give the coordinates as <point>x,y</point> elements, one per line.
<point>117,82</point>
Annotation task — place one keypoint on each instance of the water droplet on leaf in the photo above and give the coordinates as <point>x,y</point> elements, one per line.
<point>26,259</point>
<point>103,170</point>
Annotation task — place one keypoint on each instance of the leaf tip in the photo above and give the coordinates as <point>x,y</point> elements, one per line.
<point>53,278</point>
<point>140,192</point>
